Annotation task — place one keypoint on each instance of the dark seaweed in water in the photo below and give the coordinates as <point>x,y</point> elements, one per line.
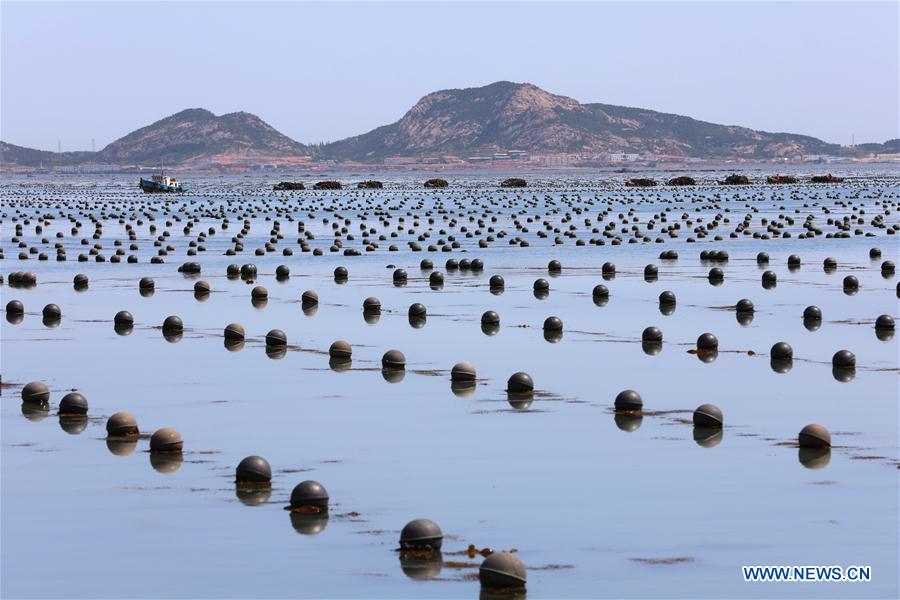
<point>289,185</point>
<point>640,182</point>
<point>514,182</point>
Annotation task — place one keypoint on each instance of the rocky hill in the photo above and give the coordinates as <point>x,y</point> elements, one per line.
<point>10,154</point>
<point>197,136</point>
<point>512,116</point>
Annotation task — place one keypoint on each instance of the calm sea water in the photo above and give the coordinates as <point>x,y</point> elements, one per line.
<point>593,507</point>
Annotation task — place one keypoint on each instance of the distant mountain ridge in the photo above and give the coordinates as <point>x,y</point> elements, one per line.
<point>457,122</point>
<point>505,116</point>
<point>197,135</point>
<point>20,155</point>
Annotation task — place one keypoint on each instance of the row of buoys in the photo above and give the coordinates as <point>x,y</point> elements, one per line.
<point>498,570</point>
<point>638,235</point>
<point>710,416</point>
<point>417,312</point>
<point>119,425</point>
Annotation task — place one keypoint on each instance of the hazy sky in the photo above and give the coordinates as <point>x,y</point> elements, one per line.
<point>77,71</point>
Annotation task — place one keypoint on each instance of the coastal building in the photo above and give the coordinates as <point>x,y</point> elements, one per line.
<point>401,160</point>
<point>622,157</point>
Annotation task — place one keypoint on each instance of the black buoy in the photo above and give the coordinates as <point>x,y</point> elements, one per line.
<point>762,258</point>
<point>843,359</point>
<point>490,317</point>
<point>393,360</point>
<point>340,350</point>
<point>52,312</point>
<point>851,283</point>
<point>600,291</point>
<point>235,332</point>
<point>173,324</point>
<point>812,313</point>
<point>122,424</point>
<point>496,282</point>
<point>541,285</point>
<point>814,436</point>
<point>463,371</point>
<point>707,342</point>
<point>520,383</point>
<point>553,324</point>
<point>166,440</point>
<point>248,271</point>
<point>667,298</point>
<point>123,317</point>
<point>253,469</point>
<point>652,335</point>
<point>36,392</point>
<point>628,400</point>
<point>276,337</point>
<point>309,298</point>
<point>502,570</point>
<point>781,351</point>
<point>309,496</point>
<point>15,307</point>
<point>73,403</point>
<point>372,305</point>
<point>554,266</point>
<point>884,322</point>
<point>745,305</point>
<point>421,534</point>
<point>708,415</point>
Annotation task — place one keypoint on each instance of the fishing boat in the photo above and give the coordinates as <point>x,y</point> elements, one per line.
<point>160,184</point>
